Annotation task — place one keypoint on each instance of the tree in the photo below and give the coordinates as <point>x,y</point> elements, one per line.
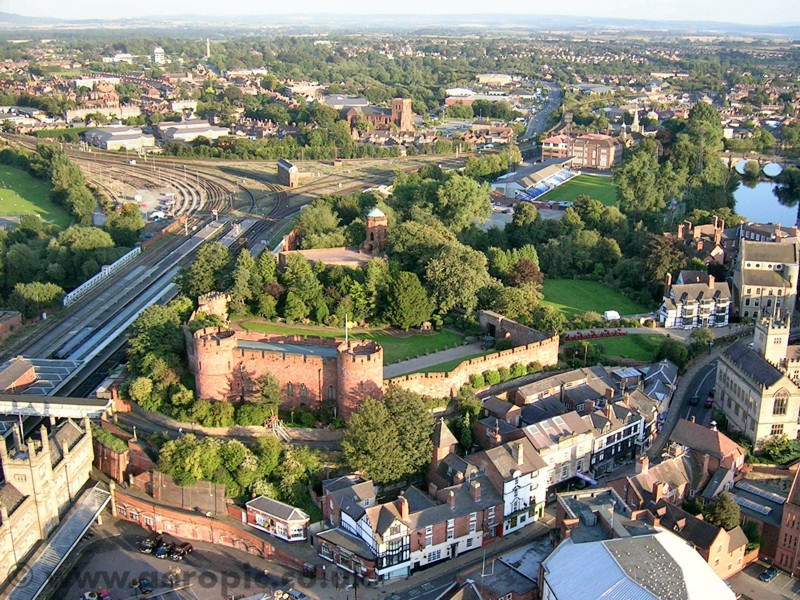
<point>526,271</point>
<point>300,280</point>
<point>269,390</point>
<point>124,226</point>
<point>674,351</point>
<point>519,303</point>
<point>32,298</point>
<point>140,391</point>
<point>157,330</point>
<point>637,181</point>
<point>701,339</point>
<point>461,201</point>
<point>389,440</point>
<point>723,512</point>
<point>207,272</point>
<point>663,255</point>
<point>295,309</point>
<point>752,169</point>
<point>455,276</point>
<point>408,304</point>
<point>243,272</point>
<point>548,320</point>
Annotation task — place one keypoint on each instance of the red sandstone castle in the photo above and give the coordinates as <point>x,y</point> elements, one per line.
<point>226,363</point>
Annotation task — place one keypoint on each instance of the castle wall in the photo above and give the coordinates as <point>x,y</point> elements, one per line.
<point>503,328</point>
<point>544,352</point>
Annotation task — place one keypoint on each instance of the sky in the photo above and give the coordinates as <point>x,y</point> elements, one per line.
<point>733,11</point>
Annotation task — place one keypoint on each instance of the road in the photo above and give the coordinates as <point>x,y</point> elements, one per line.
<point>538,122</point>
<point>699,387</point>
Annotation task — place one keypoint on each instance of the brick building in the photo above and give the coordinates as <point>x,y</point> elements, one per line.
<point>595,151</point>
<point>556,146</point>
<point>399,115</point>
<point>288,173</point>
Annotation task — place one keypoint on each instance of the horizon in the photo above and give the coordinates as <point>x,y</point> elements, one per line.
<point>679,11</point>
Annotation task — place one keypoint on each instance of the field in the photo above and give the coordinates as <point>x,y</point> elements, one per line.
<point>595,186</point>
<point>395,347</point>
<point>574,296</point>
<point>635,346</point>
<point>449,365</point>
<point>21,193</point>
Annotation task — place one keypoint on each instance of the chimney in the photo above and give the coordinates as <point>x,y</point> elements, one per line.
<point>793,231</point>
<point>691,419</point>
<point>402,507</point>
<point>778,232</point>
<point>52,421</point>
<point>451,499</point>
<point>432,489</point>
<point>458,477</point>
<point>667,283</point>
<point>45,439</point>
<point>706,458</point>
<point>711,281</point>
<point>608,411</point>
<point>658,490</point>
<point>519,453</point>
<point>627,399</point>
<point>715,221</point>
<point>680,231</point>
<point>717,236</point>
<point>3,513</point>
<point>642,465</point>
<point>699,245</point>
<point>475,490</point>
<point>610,393</point>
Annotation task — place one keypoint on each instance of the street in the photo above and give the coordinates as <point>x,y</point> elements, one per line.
<point>700,386</point>
<point>538,122</point>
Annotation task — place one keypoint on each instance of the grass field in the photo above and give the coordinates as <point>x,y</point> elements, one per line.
<point>574,296</point>
<point>449,365</point>
<point>21,193</point>
<point>395,348</point>
<point>635,346</point>
<point>595,186</point>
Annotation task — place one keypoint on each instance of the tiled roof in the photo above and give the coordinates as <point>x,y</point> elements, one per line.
<point>705,439</point>
<point>752,364</point>
<point>280,510</point>
<point>768,252</point>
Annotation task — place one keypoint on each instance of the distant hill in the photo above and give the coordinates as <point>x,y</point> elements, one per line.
<point>322,22</point>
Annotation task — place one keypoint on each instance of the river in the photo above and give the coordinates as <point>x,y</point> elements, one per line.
<point>760,204</point>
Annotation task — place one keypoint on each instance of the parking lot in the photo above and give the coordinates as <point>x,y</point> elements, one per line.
<point>112,560</point>
<point>747,585</point>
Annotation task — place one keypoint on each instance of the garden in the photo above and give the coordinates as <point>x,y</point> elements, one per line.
<point>575,296</point>
<point>21,193</point>
<point>595,186</point>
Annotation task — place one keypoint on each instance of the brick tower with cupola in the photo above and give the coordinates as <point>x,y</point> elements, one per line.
<point>375,241</point>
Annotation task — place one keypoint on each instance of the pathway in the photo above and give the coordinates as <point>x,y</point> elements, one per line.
<point>413,365</point>
<point>678,334</point>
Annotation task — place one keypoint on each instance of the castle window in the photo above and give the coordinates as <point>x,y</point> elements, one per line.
<point>781,402</point>
<point>331,393</point>
<point>290,390</point>
<point>303,390</point>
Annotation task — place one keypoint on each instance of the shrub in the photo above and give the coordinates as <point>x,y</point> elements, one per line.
<point>491,377</point>
<point>504,373</point>
<point>534,368</point>
<point>518,370</point>
<point>503,345</point>
<point>477,381</point>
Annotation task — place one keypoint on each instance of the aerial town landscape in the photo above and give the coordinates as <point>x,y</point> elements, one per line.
<point>427,304</point>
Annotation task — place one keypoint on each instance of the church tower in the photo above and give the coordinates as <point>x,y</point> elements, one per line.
<point>635,126</point>
<point>772,338</point>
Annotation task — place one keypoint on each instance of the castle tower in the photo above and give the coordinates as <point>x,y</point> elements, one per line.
<point>211,361</point>
<point>402,115</point>
<point>772,337</point>
<point>359,373</point>
<point>375,241</point>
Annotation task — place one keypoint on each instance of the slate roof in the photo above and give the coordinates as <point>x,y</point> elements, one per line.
<point>503,458</point>
<point>11,497</point>
<point>716,485</point>
<point>763,278</point>
<point>350,493</point>
<point>452,464</point>
<point>494,424</point>
<point>495,406</point>
<point>705,440</point>
<point>279,510</point>
<point>64,438</point>
<point>683,292</point>
<point>685,525</point>
<point>442,436</point>
<point>752,364</point>
<point>541,410</point>
<point>769,252</point>
<point>13,370</point>
<point>678,471</point>
<point>343,539</point>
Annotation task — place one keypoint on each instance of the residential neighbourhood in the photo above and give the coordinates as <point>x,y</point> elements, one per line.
<point>425,305</point>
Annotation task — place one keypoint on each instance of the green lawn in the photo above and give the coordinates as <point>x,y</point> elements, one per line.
<point>573,296</point>
<point>21,193</point>
<point>595,186</point>
<point>449,365</point>
<point>395,348</point>
<point>636,346</point>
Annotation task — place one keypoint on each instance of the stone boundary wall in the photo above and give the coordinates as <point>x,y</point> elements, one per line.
<point>198,527</point>
<point>545,352</point>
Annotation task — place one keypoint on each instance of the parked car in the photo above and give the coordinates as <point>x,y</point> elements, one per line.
<point>150,543</point>
<point>145,586</point>
<point>180,552</point>
<point>164,550</point>
<point>694,400</point>
<point>297,595</point>
<point>769,574</point>
<point>102,594</point>
<point>709,401</point>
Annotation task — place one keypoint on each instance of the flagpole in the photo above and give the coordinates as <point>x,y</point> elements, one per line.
<point>346,330</point>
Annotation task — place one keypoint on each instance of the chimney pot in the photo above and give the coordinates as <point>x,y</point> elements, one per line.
<point>402,507</point>
<point>451,499</point>
<point>432,489</point>
<point>609,393</point>
<point>691,419</point>
<point>668,283</point>
<point>711,281</point>
<point>475,490</point>
<point>642,466</point>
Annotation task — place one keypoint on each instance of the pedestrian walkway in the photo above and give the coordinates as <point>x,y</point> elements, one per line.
<point>413,365</point>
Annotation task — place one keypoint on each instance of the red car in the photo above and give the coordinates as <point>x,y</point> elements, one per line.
<point>709,401</point>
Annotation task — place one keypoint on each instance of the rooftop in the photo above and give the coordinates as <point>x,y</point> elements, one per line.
<point>752,364</point>
<point>324,351</point>
<point>768,252</point>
